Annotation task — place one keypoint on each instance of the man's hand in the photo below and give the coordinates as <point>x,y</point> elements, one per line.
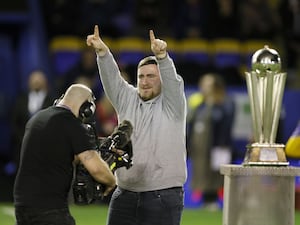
<point>118,151</point>
<point>96,42</point>
<point>158,47</point>
<point>108,189</point>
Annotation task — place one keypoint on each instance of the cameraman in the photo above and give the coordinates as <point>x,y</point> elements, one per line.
<point>53,138</point>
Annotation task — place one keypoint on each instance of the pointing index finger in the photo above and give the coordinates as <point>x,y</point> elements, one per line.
<point>96,31</point>
<point>151,35</point>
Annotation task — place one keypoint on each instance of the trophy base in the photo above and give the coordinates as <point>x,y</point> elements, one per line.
<point>259,154</point>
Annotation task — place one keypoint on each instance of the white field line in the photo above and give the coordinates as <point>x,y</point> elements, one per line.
<point>9,211</point>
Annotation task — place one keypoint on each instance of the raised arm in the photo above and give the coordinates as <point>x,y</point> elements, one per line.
<point>173,86</point>
<point>110,76</point>
<point>95,41</point>
<point>158,46</point>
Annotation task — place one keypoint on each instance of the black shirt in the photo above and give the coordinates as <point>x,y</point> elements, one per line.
<point>52,137</point>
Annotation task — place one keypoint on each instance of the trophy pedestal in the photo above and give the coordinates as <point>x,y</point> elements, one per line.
<point>259,195</point>
<point>265,154</point>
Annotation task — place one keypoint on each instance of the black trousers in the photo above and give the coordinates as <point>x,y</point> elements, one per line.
<point>36,216</point>
<point>161,207</point>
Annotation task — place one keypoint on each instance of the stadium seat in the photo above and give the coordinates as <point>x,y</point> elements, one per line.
<point>195,50</point>
<point>65,52</point>
<point>131,50</point>
<point>226,53</point>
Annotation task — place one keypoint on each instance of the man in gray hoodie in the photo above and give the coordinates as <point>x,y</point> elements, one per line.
<point>151,191</point>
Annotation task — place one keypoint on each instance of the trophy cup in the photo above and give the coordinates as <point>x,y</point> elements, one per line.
<point>265,84</point>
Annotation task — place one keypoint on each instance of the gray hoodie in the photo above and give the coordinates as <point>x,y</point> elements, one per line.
<point>159,134</point>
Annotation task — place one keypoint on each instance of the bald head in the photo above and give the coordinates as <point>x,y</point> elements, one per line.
<point>78,92</point>
<point>75,96</point>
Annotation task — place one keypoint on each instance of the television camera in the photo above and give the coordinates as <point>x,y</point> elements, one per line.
<point>85,189</point>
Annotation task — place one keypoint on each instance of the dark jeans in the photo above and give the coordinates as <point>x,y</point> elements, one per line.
<point>36,216</point>
<point>161,207</point>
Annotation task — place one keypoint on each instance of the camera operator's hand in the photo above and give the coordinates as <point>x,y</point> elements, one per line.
<point>118,151</point>
<point>108,189</point>
<point>96,42</point>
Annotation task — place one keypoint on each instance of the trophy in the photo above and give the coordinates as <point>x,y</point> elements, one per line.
<point>265,84</point>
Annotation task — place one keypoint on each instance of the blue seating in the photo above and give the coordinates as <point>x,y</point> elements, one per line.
<point>65,53</point>
<point>195,50</point>
<point>226,53</point>
<point>131,50</point>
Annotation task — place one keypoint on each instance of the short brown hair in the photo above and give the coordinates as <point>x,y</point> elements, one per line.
<point>147,61</point>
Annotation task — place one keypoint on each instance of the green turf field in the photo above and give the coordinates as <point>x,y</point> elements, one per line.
<point>96,215</point>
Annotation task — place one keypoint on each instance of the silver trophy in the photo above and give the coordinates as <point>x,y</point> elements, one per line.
<point>265,84</point>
